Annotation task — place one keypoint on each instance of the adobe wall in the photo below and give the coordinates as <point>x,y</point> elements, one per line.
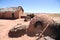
<point>12,15</point>
<point>0,14</point>
<point>7,15</point>
<point>16,14</point>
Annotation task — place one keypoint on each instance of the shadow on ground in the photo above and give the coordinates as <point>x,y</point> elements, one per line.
<point>19,33</point>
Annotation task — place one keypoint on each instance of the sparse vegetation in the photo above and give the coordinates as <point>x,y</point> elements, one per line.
<point>28,17</point>
<point>31,15</point>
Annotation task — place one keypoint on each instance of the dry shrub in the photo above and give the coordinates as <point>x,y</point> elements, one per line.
<point>31,15</point>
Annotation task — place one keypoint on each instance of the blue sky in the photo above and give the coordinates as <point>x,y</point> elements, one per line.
<point>34,6</point>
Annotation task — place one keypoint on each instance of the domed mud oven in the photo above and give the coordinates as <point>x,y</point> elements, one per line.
<point>38,23</point>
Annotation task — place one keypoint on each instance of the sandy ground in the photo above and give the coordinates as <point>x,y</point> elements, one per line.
<point>6,25</point>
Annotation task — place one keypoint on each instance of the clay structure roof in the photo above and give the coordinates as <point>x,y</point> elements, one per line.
<point>11,9</point>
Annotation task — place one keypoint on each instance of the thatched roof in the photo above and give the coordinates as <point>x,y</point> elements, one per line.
<point>11,9</point>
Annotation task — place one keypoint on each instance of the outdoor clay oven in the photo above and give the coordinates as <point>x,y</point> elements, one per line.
<point>38,23</point>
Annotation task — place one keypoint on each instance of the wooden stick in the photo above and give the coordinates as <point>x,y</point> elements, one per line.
<point>42,32</point>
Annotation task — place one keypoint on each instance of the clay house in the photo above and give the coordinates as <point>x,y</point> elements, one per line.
<point>11,13</point>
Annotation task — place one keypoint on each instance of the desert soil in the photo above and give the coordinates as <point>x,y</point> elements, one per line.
<point>6,25</point>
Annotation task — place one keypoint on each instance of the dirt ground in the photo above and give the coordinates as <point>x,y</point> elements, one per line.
<point>6,25</point>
